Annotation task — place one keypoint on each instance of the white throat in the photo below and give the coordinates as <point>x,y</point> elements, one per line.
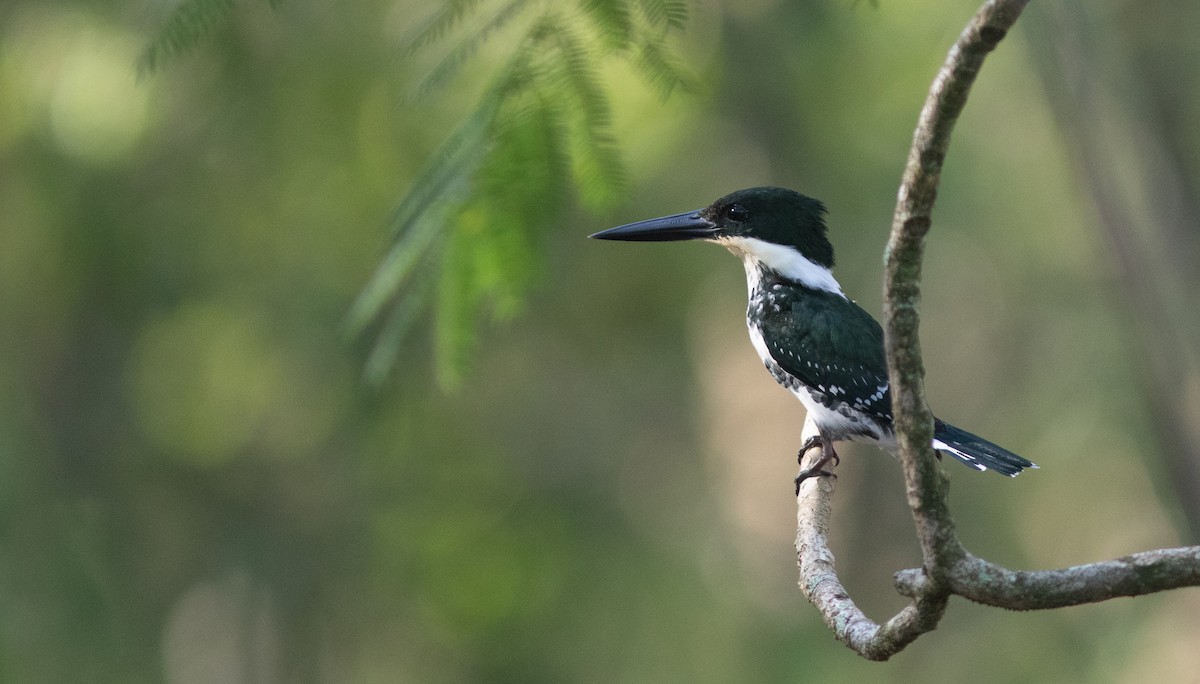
<point>786,261</point>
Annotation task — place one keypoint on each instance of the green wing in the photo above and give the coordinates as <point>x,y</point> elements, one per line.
<point>831,345</point>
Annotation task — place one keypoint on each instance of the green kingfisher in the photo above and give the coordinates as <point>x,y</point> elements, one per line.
<point>813,339</point>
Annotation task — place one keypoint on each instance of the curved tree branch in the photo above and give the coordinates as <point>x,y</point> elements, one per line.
<point>820,583</point>
<point>947,567</point>
<point>926,485</point>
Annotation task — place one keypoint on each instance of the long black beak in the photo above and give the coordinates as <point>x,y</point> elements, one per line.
<point>686,226</point>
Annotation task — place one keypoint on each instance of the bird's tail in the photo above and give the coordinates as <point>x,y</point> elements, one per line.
<point>975,451</point>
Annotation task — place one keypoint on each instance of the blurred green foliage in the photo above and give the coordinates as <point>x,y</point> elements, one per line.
<point>197,486</point>
<point>541,126</point>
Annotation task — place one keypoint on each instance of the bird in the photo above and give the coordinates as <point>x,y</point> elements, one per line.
<point>814,340</point>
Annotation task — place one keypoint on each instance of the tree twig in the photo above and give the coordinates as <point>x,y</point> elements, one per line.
<point>1141,573</point>
<point>947,567</point>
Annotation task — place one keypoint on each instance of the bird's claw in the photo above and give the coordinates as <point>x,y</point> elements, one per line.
<point>810,443</point>
<point>817,469</point>
<point>811,472</point>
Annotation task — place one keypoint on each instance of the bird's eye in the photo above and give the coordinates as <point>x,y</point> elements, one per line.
<point>737,212</point>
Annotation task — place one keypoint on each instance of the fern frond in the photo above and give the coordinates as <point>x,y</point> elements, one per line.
<point>189,22</point>
<point>455,334</point>
<point>597,165</point>
<point>558,161</point>
<point>576,70</point>
<point>522,187</point>
<point>456,157</point>
<point>596,159</point>
<point>405,312</point>
<point>613,20</point>
<point>505,265</point>
<point>662,70</point>
<point>454,60</point>
<point>423,211</point>
<point>400,261</point>
<point>452,13</point>
<point>470,224</point>
<point>530,147</point>
<point>677,13</point>
<point>665,13</point>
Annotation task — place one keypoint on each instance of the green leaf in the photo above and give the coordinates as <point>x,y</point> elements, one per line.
<point>598,166</point>
<point>460,54</point>
<point>662,70</point>
<point>457,306</point>
<point>456,158</point>
<point>452,13</point>
<point>576,69</point>
<point>191,21</point>
<point>521,188</point>
<point>400,320</point>
<point>665,13</point>
<point>595,155</point>
<point>677,13</point>
<point>431,201</point>
<point>612,19</point>
<point>472,221</point>
<point>396,267</point>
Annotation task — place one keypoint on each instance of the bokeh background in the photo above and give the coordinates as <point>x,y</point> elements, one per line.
<point>196,485</point>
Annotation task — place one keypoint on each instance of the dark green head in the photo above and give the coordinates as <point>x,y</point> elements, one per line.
<point>777,216</point>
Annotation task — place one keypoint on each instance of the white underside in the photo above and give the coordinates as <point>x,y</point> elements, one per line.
<point>832,421</point>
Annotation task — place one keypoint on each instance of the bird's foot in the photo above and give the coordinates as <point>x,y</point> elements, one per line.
<point>810,443</point>
<point>817,469</point>
<point>811,472</point>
